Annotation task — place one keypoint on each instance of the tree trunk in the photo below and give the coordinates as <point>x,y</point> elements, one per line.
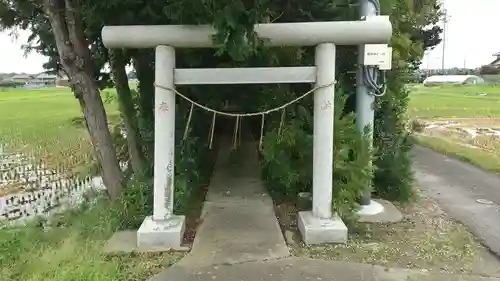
<point>75,58</point>
<point>144,67</point>
<point>127,109</point>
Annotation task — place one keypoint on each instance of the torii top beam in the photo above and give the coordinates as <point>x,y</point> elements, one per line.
<point>373,30</point>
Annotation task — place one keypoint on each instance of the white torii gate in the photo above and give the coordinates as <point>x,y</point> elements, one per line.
<point>165,230</point>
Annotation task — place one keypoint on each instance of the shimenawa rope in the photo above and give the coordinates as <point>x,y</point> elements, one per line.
<point>237,129</point>
<point>245,114</point>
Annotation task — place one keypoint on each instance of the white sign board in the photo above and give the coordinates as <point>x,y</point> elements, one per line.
<point>387,62</point>
<point>377,55</point>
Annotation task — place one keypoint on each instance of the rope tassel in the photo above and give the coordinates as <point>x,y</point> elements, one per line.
<point>186,130</point>
<point>235,134</point>
<point>282,123</point>
<point>212,129</point>
<point>261,132</point>
<point>239,131</point>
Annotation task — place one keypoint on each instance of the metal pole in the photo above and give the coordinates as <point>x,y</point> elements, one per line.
<point>445,21</point>
<point>365,99</point>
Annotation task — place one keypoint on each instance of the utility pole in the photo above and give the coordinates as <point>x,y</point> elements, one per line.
<point>427,58</point>
<point>365,105</point>
<point>445,21</point>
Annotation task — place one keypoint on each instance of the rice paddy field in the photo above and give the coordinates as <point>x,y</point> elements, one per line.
<point>42,135</point>
<point>461,121</point>
<point>47,124</point>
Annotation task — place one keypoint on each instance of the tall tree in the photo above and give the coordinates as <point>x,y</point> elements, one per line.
<point>75,57</point>
<point>118,61</point>
<point>67,32</point>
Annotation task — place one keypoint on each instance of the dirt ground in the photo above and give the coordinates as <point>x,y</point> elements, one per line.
<point>427,239</point>
<point>478,133</point>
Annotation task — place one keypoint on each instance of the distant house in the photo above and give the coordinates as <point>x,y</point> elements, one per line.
<point>496,62</point>
<point>41,80</point>
<point>436,80</point>
<point>44,79</point>
<point>20,79</point>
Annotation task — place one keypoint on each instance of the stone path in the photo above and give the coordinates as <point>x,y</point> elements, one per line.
<point>238,221</point>
<point>240,240</point>
<point>457,186</point>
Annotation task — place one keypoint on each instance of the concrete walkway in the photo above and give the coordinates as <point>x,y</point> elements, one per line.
<point>238,221</point>
<point>456,186</point>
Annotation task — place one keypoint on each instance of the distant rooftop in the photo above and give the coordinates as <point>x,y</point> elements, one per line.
<point>45,76</point>
<point>452,79</point>
<point>21,76</point>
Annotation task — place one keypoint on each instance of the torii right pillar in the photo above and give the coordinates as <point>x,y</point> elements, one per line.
<point>321,225</point>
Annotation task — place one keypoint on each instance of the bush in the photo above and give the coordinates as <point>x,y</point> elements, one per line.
<point>394,176</point>
<point>135,203</point>
<point>352,174</point>
<point>287,161</point>
<point>193,167</point>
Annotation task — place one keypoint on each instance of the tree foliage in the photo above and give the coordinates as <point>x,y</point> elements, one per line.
<point>489,70</point>
<point>414,32</point>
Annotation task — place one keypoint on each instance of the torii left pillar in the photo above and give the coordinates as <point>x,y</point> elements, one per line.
<point>163,230</point>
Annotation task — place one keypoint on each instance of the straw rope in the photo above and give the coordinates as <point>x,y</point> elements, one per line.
<point>239,116</point>
<point>246,114</point>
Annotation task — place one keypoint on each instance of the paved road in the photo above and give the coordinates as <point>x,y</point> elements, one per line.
<point>304,269</point>
<point>456,186</point>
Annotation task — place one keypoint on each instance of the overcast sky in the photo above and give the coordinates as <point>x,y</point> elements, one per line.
<point>472,38</point>
<point>472,34</point>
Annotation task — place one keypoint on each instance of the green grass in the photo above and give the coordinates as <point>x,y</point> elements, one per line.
<point>480,158</point>
<point>454,101</point>
<point>73,251</point>
<point>472,106</point>
<point>47,123</point>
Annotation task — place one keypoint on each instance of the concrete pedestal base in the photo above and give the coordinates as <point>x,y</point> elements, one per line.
<point>374,208</point>
<point>379,211</point>
<point>321,231</point>
<point>166,234</point>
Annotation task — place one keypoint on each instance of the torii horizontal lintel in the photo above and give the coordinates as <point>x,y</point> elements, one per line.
<point>373,30</point>
<point>250,75</point>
